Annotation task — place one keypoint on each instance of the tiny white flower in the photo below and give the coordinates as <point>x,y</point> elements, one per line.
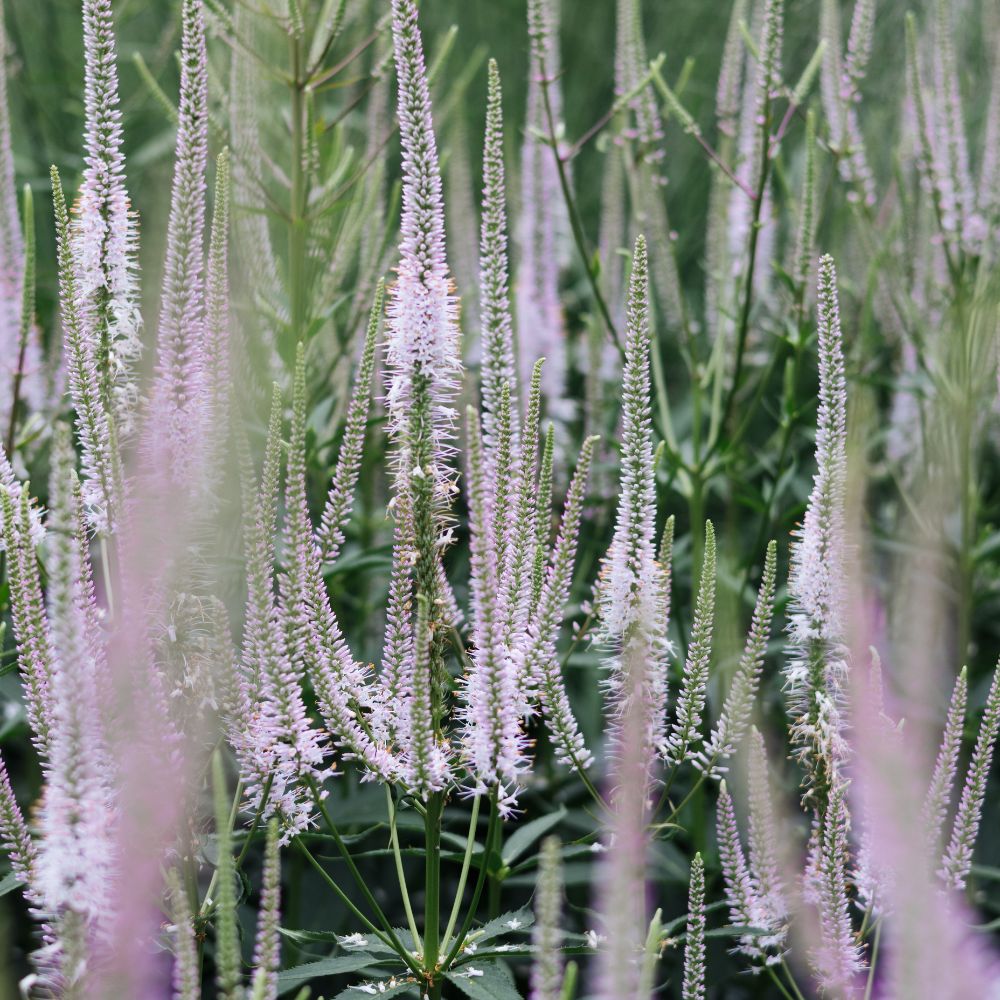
<point>474,972</point>
<point>353,941</point>
<point>513,924</point>
<point>594,939</point>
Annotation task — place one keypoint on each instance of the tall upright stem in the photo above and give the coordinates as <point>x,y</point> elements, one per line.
<point>432,899</point>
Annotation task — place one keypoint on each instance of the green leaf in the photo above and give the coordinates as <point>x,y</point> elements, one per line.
<point>292,979</point>
<point>494,982</point>
<point>355,993</point>
<point>9,883</point>
<point>521,919</point>
<point>525,836</point>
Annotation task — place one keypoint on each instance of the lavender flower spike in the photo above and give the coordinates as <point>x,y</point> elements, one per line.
<point>686,730</point>
<point>14,836</point>
<point>102,486</point>
<point>632,591</point>
<point>105,233</point>
<point>498,338</point>
<point>267,950</point>
<point>816,674</point>
<point>77,818</point>
<point>345,476</point>
<point>11,242</point>
<point>178,390</point>
<point>694,950</point>
<point>738,705</point>
<point>494,742</point>
<point>942,784</point>
<point>958,857</point>
<point>422,351</point>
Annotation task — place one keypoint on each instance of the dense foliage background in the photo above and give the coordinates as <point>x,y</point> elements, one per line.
<point>755,489</point>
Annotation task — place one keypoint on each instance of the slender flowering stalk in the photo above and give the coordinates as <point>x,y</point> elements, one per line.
<point>426,767</point>
<point>730,85</point>
<point>494,742</point>
<point>815,675</point>
<point>105,233</point>
<point>686,730</point>
<point>227,942</point>
<point>942,784</point>
<point>693,987</point>
<point>763,841</point>
<point>31,627</point>
<point>958,856</point>
<point>217,320</point>
<point>277,745</point>
<point>178,394</point>
<point>736,709</point>
<point>540,666</point>
<point>546,936</point>
<point>11,246</point>
<point>837,958</point>
<point>540,322</point>
<point>267,949</point>
<point>102,483</point>
<point>424,364</point>
<point>345,476</point>
<point>498,363</point>
<point>746,908</point>
<point>316,644</point>
<point>14,836</point>
<point>632,591</point>
<point>186,974</point>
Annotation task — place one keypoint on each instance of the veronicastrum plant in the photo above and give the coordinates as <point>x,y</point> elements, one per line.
<point>291,624</point>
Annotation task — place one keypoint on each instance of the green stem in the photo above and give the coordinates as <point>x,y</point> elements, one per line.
<point>394,835</point>
<point>432,889</point>
<point>791,981</point>
<point>353,868</point>
<point>778,983</point>
<point>477,894</point>
<point>874,961</point>
<point>466,864</point>
<point>576,224</point>
<point>390,941</point>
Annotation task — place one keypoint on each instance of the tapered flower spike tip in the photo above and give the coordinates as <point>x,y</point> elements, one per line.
<point>95,423</point>
<point>345,477</point>
<point>736,709</point>
<point>942,784</point>
<point>498,366</point>
<point>179,388</point>
<point>686,731</point>
<point>816,673</point>
<point>105,231</point>
<point>629,571</point>
<point>693,987</point>
<point>422,333</point>
<point>958,856</point>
